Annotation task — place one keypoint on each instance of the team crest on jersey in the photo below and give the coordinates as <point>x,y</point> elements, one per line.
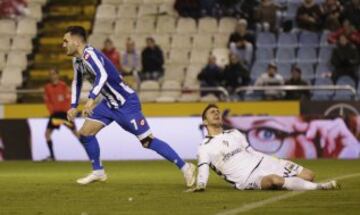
<point>142,122</point>
<point>87,55</point>
<point>226,143</point>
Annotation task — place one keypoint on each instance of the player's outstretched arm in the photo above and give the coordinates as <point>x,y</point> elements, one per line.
<point>203,171</point>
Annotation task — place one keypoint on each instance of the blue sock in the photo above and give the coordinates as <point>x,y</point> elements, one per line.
<point>167,152</point>
<point>92,148</point>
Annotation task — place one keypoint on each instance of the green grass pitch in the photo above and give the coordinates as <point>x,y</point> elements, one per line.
<point>156,187</point>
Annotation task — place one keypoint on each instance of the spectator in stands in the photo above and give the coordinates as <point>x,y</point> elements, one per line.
<point>345,59</point>
<point>210,76</point>
<point>296,79</point>
<point>188,8</point>
<point>208,7</point>
<point>235,74</point>
<point>110,51</point>
<point>241,42</point>
<point>130,59</point>
<point>152,61</point>
<point>13,8</point>
<point>331,10</point>
<point>265,15</point>
<point>57,100</point>
<point>309,15</point>
<point>271,78</point>
<point>352,13</point>
<point>131,64</point>
<point>352,34</point>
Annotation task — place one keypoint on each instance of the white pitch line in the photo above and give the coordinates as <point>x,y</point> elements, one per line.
<point>254,205</point>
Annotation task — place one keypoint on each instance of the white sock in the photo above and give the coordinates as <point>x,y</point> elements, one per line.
<point>185,167</point>
<point>99,172</point>
<point>296,183</point>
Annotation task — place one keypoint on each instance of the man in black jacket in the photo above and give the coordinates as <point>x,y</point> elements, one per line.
<point>152,59</point>
<point>297,80</point>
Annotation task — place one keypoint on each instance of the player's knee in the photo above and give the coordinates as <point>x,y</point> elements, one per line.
<point>272,182</point>
<point>146,142</point>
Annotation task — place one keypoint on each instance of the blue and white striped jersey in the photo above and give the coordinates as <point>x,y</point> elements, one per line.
<point>103,75</point>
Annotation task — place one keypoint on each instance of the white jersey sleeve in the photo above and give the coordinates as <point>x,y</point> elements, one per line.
<point>203,166</point>
<point>240,137</point>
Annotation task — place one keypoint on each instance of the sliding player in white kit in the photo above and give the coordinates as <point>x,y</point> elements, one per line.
<point>232,157</point>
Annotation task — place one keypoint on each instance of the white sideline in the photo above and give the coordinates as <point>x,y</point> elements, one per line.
<point>254,205</point>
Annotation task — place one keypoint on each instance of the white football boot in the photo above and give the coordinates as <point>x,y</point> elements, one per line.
<point>96,175</point>
<point>331,185</point>
<point>190,175</point>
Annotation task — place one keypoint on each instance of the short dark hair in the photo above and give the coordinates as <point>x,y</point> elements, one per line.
<point>78,31</point>
<point>203,115</point>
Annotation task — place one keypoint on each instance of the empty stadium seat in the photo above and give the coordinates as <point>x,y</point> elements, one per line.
<point>306,55</point>
<point>202,41</point>
<point>145,25</point>
<point>322,95</point>
<point>5,43</point>
<point>139,39</point>
<point>192,72</point>
<point>182,42</point>
<point>199,56</point>
<point>35,11</point>
<point>136,2</point>
<point>23,44</point>
<point>265,39</point>
<point>325,54</point>
<point>149,91</point>
<point>227,25</point>
<point>7,27</point>
<point>106,12</point>
<point>148,10</point>
<point>287,40</point>
<point>166,24</point>
<point>11,75</point>
<point>284,69</point>
<point>17,59</point>
<point>113,2</point>
<point>208,25</point>
<point>322,69</point>
<point>324,39</point>
<point>26,27</point>
<point>103,27</point>
<point>8,97</point>
<point>257,69</point>
<point>209,98</point>
<point>124,26</point>
<point>163,40</point>
<point>127,11</point>
<point>167,9</point>
<point>265,55</point>
<point>186,26</point>
<point>344,94</point>
<point>308,39</point>
<point>170,91</point>
<point>220,40</point>
<point>285,55</point>
<point>2,60</point>
<point>175,72</point>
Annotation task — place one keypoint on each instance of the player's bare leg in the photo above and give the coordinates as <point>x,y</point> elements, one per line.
<point>49,143</point>
<point>307,175</point>
<point>87,137</point>
<point>295,183</point>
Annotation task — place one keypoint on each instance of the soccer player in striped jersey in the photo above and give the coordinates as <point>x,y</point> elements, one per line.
<point>231,156</point>
<point>120,104</point>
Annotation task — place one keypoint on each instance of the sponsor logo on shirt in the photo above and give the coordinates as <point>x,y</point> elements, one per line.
<point>227,156</point>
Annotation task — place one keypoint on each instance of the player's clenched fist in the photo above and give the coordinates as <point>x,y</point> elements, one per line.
<point>71,114</point>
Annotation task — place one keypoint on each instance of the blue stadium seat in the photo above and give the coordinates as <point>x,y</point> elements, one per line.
<point>322,94</point>
<point>265,39</point>
<point>344,94</point>
<point>307,71</point>
<point>307,55</point>
<point>287,40</point>
<point>325,54</point>
<point>321,69</point>
<point>265,55</point>
<point>284,69</point>
<point>285,55</point>
<point>257,69</point>
<point>291,11</point>
<point>309,39</point>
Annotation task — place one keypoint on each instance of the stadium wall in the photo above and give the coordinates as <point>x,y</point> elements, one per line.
<point>280,108</point>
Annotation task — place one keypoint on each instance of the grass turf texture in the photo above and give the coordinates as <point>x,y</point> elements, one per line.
<point>156,187</point>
